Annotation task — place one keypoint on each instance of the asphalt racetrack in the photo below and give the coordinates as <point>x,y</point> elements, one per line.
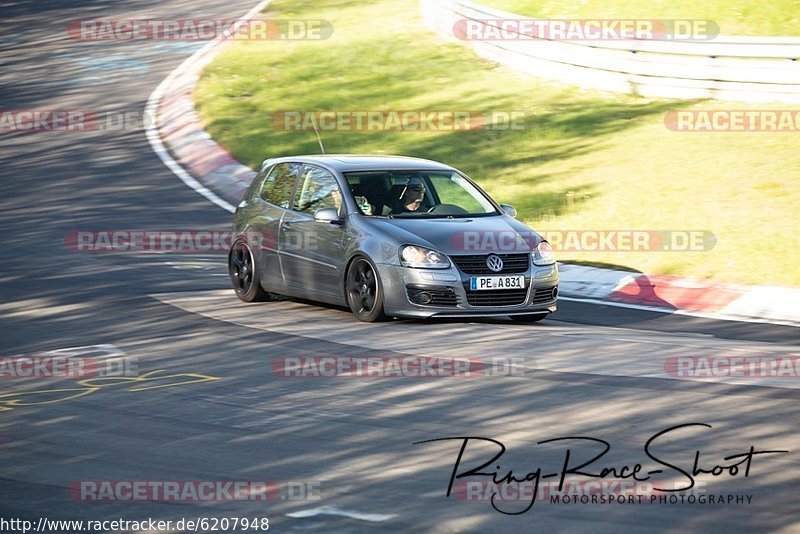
<point>209,405</point>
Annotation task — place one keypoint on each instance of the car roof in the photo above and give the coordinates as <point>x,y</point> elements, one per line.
<point>354,162</point>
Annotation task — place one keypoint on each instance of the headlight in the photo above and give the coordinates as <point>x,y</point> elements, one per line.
<point>421,257</point>
<point>543,255</point>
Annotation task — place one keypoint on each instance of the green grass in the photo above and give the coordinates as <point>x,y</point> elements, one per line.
<point>584,160</point>
<point>734,17</point>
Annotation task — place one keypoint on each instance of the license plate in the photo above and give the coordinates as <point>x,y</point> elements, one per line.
<point>478,283</point>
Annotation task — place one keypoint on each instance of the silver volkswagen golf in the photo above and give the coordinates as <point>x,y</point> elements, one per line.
<point>389,237</point>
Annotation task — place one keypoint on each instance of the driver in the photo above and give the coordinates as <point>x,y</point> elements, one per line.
<point>410,197</point>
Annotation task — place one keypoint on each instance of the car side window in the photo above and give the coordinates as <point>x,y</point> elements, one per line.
<point>317,189</point>
<point>279,184</point>
<point>254,189</point>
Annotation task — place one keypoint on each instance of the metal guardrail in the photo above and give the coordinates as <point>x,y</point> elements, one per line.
<point>748,69</point>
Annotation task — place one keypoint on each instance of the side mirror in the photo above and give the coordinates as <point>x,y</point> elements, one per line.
<point>509,210</point>
<point>327,215</point>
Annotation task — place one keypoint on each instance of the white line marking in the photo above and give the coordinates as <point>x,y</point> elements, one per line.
<point>151,110</point>
<point>329,510</point>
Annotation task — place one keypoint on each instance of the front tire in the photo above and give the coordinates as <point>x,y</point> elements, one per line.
<point>364,291</point>
<point>243,271</point>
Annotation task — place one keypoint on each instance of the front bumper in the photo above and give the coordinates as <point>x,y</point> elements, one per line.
<point>451,297</point>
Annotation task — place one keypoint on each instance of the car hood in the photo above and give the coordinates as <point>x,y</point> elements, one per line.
<point>480,235</point>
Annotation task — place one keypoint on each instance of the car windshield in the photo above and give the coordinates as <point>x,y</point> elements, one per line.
<point>417,194</point>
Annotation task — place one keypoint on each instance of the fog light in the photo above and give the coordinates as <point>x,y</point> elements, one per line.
<point>555,291</point>
<point>424,298</point>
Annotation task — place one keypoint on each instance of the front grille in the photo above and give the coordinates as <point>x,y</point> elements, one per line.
<point>542,295</point>
<point>438,296</point>
<point>476,263</point>
<point>496,297</point>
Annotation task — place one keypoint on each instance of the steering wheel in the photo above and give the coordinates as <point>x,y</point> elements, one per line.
<point>447,209</point>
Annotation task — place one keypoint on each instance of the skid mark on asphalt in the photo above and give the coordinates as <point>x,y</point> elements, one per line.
<point>592,350</point>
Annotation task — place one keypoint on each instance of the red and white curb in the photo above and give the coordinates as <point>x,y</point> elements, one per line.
<point>193,156</point>
<point>686,296</point>
<point>202,164</point>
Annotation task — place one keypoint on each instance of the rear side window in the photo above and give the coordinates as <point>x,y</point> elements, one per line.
<point>317,189</point>
<point>279,184</point>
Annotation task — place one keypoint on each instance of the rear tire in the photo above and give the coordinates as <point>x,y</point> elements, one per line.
<point>244,275</point>
<point>364,291</point>
<point>529,318</point>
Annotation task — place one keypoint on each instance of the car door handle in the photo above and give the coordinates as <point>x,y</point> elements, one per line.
<point>286,226</point>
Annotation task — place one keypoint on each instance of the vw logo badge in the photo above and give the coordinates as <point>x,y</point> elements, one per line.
<point>495,263</point>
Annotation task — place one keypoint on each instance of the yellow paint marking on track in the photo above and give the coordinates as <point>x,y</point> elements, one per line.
<point>14,398</point>
<point>9,401</point>
<point>196,378</point>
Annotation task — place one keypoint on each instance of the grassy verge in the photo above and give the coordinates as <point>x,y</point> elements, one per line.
<point>734,17</point>
<point>583,160</point>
